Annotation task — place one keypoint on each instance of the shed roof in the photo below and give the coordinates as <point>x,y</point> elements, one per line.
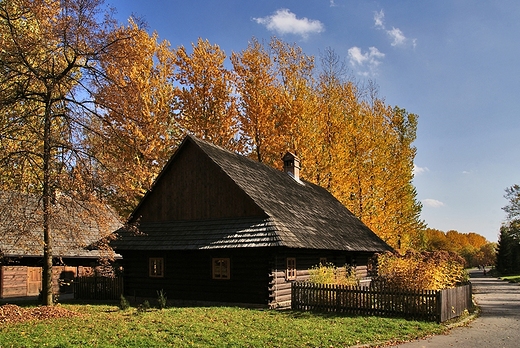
<point>298,214</point>
<point>74,225</point>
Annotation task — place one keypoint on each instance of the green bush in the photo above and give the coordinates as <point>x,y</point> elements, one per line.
<point>143,307</point>
<point>161,299</point>
<point>123,303</point>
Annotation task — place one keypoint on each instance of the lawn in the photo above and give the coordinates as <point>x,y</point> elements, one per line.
<point>512,279</point>
<point>108,326</point>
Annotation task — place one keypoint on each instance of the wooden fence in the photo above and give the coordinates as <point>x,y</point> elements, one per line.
<point>98,288</point>
<point>426,304</point>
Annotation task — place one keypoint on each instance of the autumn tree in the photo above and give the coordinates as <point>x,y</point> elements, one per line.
<point>365,158</point>
<point>138,133</point>
<point>473,247</point>
<point>360,149</point>
<point>294,109</point>
<point>49,52</point>
<point>206,106</point>
<point>257,88</point>
<point>328,126</point>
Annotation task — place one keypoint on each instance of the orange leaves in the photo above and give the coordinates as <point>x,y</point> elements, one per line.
<point>207,107</point>
<point>474,248</point>
<point>259,96</point>
<point>136,136</point>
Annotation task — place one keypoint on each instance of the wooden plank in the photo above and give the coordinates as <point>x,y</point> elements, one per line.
<point>14,281</point>
<point>34,281</point>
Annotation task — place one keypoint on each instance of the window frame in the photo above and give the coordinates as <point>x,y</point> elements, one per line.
<point>290,271</point>
<point>323,261</point>
<point>156,267</point>
<point>222,270</point>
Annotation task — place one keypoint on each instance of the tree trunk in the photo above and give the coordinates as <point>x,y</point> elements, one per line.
<point>47,193</point>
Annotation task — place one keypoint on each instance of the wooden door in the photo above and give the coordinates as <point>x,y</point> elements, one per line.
<point>34,281</point>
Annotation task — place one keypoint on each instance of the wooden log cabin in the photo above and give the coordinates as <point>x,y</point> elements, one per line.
<point>217,226</point>
<point>74,225</point>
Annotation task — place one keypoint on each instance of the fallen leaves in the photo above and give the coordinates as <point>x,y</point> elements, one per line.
<point>10,313</point>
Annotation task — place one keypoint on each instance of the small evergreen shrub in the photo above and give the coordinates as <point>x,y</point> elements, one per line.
<point>143,307</point>
<point>123,303</point>
<point>161,299</point>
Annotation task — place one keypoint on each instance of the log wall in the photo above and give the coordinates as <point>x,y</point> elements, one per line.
<point>24,281</point>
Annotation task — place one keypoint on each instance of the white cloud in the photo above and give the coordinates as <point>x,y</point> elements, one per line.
<point>396,35</point>
<point>419,170</point>
<point>429,202</point>
<point>283,21</point>
<point>366,63</point>
<point>378,18</point>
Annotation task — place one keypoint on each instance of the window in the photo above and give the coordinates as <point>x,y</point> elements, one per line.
<point>291,268</point>
<point>156,267</point>
<point>221,268</point>
<point>323,261</point>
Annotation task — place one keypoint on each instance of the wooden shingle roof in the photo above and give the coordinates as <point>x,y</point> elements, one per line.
<point>74,226</point>
<point>298,214</point>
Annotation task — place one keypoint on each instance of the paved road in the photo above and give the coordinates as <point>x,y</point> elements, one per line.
<point>498,325</point>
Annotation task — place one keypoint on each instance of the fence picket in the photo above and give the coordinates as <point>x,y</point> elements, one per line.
<point>98,288</point>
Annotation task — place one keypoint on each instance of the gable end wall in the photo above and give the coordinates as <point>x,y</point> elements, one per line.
<point>193,187</point>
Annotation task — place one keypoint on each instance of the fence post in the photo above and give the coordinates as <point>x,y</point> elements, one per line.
<point>439,306</point>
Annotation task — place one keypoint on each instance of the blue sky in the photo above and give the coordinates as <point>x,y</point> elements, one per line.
<point>456,64</point>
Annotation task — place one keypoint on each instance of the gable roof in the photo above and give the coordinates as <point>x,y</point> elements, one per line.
<point>297,214</point>
<point>74,225</point>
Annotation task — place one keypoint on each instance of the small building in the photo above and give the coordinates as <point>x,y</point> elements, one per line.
<point>74,226</point>
<point>217,226</point>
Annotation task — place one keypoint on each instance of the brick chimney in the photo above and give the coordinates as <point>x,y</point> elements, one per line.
<point>291,165</point>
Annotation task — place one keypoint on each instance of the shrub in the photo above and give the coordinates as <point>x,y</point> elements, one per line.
<point>330,274</point>
<point>161,299</point>
<point>421,271</point>
<point>123,303</point>
<point>143,307</point>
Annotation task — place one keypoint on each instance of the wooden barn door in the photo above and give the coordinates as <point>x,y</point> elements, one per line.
<point>34,281</point>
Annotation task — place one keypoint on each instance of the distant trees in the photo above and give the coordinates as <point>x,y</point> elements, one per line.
<point>474,248</point>
<point>508,255</point>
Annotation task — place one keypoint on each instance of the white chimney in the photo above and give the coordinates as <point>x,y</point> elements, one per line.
<point>291,165</point>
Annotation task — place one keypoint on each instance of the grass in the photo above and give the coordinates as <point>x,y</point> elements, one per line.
<point>107,326</point>
<point>512,278</point>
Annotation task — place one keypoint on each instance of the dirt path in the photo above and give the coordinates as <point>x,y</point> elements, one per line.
<point>498,325</point>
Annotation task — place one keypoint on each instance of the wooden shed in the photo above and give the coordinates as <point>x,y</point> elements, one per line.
<point>217,226</point>
<point>75,226</point>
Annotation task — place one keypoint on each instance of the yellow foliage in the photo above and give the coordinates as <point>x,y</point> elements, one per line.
<point>421,271</point>
<point>330,274</point>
